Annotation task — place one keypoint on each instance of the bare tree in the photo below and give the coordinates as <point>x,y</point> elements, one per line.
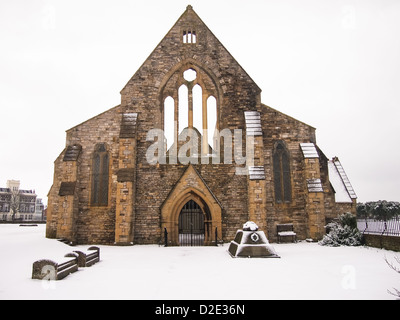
<point>15,203</point>
<point>397,269</point>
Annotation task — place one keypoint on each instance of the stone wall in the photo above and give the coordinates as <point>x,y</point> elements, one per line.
<point>92,224</point>
<point>281,127</point>
<point>382,241</point>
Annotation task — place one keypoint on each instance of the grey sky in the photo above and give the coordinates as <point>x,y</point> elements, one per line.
<point>331,64</point>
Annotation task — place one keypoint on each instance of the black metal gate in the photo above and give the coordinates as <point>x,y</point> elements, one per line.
<point>191,225</point>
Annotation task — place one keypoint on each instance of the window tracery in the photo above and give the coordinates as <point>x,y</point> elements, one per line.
<point>190,102</point>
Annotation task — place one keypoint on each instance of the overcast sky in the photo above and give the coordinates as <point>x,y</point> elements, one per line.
<point>332,64</point>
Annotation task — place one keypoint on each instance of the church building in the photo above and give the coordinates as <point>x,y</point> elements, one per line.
<point>192,152</point>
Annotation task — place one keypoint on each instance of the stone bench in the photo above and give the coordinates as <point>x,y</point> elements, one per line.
<point>286,230</point>
<point>46,269</point>
<point>89,258</point>
<point>50,270</point>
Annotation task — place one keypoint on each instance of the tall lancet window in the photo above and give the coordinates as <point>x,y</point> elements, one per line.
<point>197,94</point>
<point>183,98</point>
<point>169,121</point>
<point>212,120</point>
<point>99,195</point>
<point>282,181</point>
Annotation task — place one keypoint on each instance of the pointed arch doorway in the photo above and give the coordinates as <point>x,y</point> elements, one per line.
<point>191,204</point>
<point>194,223</point>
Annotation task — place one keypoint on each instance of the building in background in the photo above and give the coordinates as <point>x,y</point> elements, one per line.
<point>39,211</point>
<point>19,205</point>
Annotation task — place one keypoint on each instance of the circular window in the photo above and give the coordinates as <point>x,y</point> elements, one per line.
<point>190,75</point>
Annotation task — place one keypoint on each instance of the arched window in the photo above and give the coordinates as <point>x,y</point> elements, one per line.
<point>100,176</point>
<point>282,181</point>
<point>190,102</point>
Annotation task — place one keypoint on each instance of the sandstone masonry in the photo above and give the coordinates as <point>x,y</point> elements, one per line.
<point>105,190</point>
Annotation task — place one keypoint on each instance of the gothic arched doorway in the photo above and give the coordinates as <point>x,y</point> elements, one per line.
<point>182,206</point>
<point>193,224</point>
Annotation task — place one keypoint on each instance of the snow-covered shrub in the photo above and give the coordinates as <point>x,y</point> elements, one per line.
<point>343,232</point>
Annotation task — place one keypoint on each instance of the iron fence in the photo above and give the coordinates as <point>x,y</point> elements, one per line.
<point>191,239</point>
<point>381,227</point>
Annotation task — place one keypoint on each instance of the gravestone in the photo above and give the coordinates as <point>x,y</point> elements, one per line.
<point>251,243</point>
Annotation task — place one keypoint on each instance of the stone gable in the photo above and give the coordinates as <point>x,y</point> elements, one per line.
<point>107,156</point>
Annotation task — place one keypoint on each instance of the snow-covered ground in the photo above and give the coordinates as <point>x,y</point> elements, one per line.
<point>304,271</point>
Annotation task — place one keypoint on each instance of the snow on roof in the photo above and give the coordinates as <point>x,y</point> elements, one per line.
<point>257,173</point>
<point>309,150</point>
<point>128,125</point>
<point>340,182</point>
<point>345,179</point>
<point>72,153</point>
<point>253,123</point>
<point>314,185</point>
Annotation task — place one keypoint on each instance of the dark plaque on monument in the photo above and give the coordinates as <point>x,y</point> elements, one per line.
<point>251,243</point>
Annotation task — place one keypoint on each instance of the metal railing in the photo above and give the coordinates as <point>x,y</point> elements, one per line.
<point>191,239</point>
<point>380,227</point>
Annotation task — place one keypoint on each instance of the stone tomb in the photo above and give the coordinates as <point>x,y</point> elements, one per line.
<point>251,243</point>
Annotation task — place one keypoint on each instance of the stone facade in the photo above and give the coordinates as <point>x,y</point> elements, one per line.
<point>108,190</point>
